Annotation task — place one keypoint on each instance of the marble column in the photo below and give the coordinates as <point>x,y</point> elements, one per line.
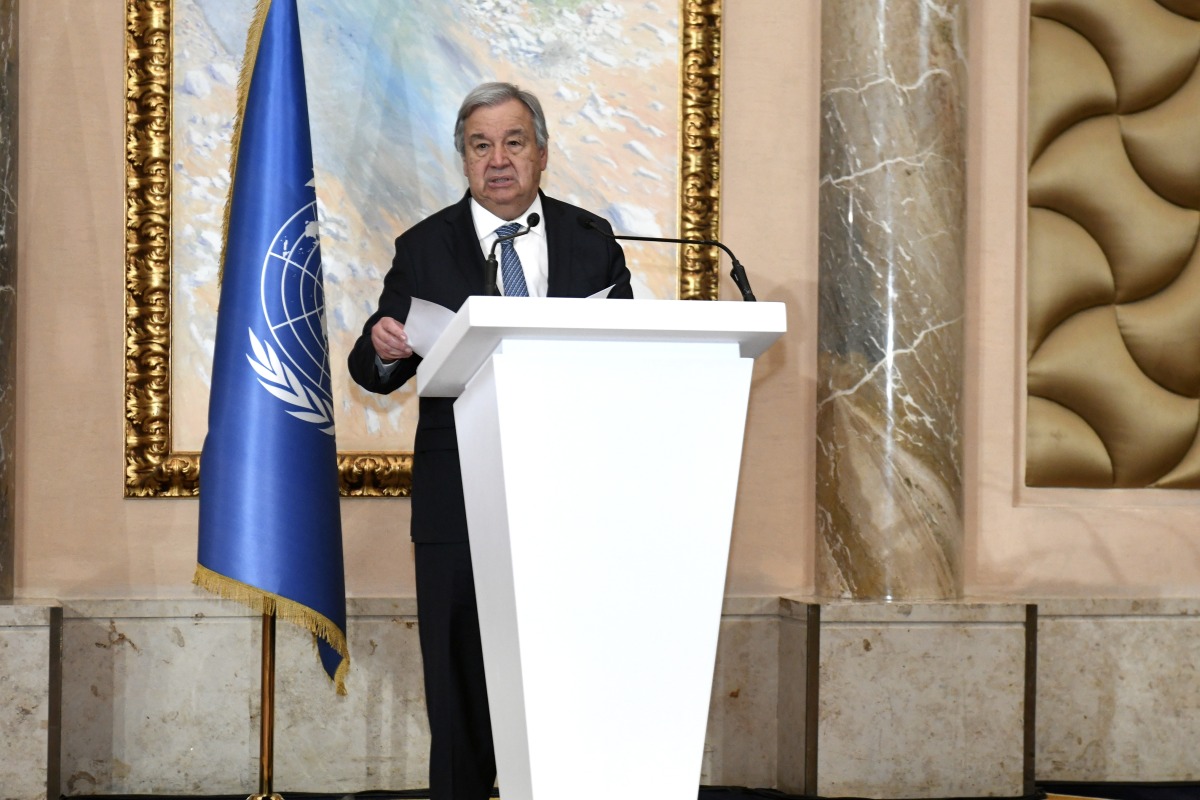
<point>8,289</point>
<point>890,341</point>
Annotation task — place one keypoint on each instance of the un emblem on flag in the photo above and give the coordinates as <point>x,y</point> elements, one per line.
<point>294,364</point>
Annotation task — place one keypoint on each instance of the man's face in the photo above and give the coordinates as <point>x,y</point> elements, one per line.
<point>503,163</point>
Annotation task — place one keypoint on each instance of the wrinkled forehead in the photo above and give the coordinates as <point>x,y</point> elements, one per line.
<point>480,134</point>
<point>511,116</point>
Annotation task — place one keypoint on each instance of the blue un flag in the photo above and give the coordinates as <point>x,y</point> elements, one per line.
<point>270,524</point>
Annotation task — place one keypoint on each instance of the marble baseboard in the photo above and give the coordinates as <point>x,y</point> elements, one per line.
<point>30,724</point>
<point>908,700</point>
<point>162,697</point>
<point>375,737</point>
<point>740,747</point>
<point>1118,695</point>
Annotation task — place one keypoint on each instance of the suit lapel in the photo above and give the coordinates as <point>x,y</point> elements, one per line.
<point>561,242</point>
<point>558,246</point>
<point>464,247</point>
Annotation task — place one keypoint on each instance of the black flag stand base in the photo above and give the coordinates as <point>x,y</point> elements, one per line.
<point>266,745</point>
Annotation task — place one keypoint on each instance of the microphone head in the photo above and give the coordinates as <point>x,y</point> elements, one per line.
<point>533,220</point>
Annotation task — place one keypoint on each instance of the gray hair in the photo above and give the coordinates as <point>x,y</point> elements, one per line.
<point>494,94</point>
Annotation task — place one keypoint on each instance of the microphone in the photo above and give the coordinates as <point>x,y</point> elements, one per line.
<point>738,273</point>
<point>490,288</point>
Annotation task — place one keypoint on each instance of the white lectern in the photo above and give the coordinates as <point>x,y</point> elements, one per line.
<point>600,444</point>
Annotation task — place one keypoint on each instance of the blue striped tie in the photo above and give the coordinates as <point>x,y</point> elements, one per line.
<point>510,263</point>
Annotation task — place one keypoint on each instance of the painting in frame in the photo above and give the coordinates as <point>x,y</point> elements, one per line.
<point>632,97</point>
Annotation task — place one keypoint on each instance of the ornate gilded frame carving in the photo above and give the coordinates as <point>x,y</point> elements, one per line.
<point>152,468</point>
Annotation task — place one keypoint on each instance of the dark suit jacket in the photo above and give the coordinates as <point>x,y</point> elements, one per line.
<point>439,260</point>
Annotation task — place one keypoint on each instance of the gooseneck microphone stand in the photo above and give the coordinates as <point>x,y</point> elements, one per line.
<point>489,283</point>
<point>738,273</point>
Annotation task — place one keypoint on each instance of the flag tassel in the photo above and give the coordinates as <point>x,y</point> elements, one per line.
<point>273,605</point>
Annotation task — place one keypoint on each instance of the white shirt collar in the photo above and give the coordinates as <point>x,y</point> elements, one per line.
<point>486,222</point>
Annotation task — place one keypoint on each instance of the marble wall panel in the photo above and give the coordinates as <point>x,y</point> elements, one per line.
<point>743,727</point>
<point>374,737</point>
<point>8,288</point>
<point>1118,694</point>
<point>163,698</point>
<point>160,698</point>
<point>29,691</point>
<point>793,702</point>
<point>921,700</point>
<point>911,699</point>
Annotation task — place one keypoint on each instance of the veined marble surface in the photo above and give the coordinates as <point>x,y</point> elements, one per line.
<point>793,745</point>
<point>909,694</point>
<point>160,704</point>
<point>890,332</point>
<point>927,698</point>
<point>28,613</point>
<point>8,288</point>
<point>960,612</point>
<point>743,725</point>
<point>1118,695</point>
<point>29,692</point>
<point>163,698</point>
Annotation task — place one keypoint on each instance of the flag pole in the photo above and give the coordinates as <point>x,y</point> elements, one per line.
<point>270,531</point>
<point>266,743</point>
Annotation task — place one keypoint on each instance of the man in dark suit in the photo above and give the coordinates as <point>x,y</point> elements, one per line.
<point>502,138</point>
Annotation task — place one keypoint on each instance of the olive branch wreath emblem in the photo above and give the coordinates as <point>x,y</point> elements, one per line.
<point>281,381</point>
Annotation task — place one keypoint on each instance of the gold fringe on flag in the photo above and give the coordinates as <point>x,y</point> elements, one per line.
<point>253,38</point>
<point>283,608</point>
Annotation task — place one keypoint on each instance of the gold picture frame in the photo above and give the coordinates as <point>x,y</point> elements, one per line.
<point>152,467</point>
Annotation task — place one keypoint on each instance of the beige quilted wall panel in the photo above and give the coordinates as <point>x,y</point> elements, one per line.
<point>1113,275</point>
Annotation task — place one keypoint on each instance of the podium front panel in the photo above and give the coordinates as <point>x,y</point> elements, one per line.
<point>600,481</point>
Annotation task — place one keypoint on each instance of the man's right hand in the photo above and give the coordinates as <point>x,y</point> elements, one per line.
<point>390,340</point>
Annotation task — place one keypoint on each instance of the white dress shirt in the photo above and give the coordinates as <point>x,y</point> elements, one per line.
<point>531,247</point>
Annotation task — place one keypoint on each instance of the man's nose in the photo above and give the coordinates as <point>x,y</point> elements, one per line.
<point>499,157</point>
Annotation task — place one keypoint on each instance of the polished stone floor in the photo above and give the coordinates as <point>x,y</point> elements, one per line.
<point>1121,791</point>
<point>1077,792</point>
<point>1049,791</point>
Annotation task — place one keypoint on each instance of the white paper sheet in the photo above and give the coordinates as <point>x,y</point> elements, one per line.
<point>425,324</point>
<point>428,321</point>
